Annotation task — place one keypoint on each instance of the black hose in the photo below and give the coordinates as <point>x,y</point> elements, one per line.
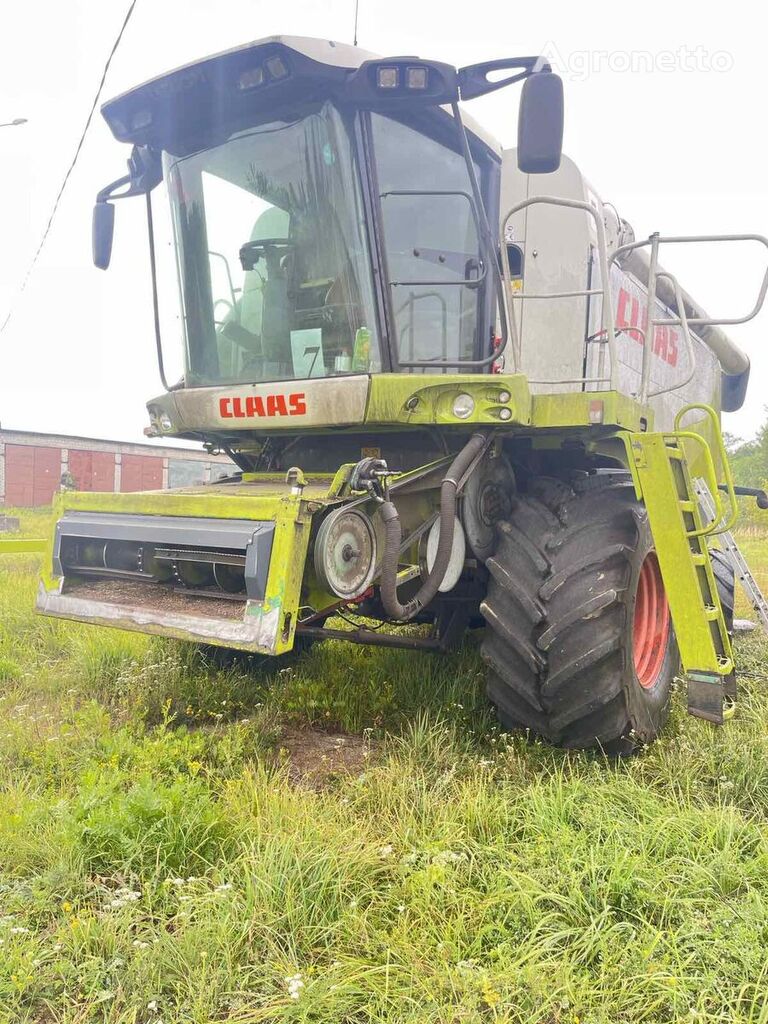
<point>393,537</point>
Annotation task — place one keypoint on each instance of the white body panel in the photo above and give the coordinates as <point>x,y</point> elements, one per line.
<point>558,248</point>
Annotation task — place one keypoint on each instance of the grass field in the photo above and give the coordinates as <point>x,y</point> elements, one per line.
<point>351,840</point>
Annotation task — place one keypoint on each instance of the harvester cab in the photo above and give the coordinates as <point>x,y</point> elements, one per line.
<point>452,383</point>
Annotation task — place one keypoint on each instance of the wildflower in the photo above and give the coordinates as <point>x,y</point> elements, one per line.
<point>123,897</point>
<point>224,887</point>
<point>19,930</point>
<point>386,851</point>
<point>491,996</point>
<point>446,857</point>
<point>295,984</point>
<point>152,1005</point>
<point>400,908</point>
<point>140,945</point>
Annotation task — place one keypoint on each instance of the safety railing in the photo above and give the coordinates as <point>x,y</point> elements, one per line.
<point>609,330</point>
<point>723,519</point>
<point>681,320</point>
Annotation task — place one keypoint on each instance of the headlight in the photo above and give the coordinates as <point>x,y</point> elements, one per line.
<point>463,406</point>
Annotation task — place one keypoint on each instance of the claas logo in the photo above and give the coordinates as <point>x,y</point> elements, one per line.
<point>258,406</point>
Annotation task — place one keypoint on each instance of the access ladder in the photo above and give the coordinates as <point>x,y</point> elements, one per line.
<point>663,478</point>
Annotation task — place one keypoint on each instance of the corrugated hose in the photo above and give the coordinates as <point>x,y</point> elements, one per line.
<point>393,537</point>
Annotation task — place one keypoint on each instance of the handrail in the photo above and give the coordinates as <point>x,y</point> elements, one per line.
<point>683,320</point>
<point>645,394</point>
<point>609,329</point>
<point>606,311</point>
<point>673,239</point>
<point>717,526</point>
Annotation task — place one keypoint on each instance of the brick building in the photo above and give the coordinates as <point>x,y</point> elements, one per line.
<point>32,466</point>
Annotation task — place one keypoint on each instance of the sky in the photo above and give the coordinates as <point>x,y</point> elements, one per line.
<point>663,115</point>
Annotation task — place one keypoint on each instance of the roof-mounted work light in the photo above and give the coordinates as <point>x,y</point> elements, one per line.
<point>402,81</point>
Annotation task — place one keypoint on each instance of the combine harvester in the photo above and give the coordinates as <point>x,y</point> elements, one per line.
<point>450,399</point>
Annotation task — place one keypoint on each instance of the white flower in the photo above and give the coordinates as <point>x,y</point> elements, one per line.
<point>401,909</point>
<point>152,1005</point>
<point>224,887</point>
<point>19,930</point>
<point>295,984</point>
<point>123,897</point>
<point>386,851</point>
<point>446,857</point>
<point>140,945</point>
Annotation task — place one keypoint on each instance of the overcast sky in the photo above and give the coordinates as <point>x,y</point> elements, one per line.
<point>678,144</point>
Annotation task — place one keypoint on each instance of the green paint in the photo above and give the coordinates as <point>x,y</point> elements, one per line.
<point>665,480</point>
<point>22,546</point>
<point>414,400</point>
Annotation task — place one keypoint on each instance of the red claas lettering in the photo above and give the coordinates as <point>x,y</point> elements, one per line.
<point>263,406</point>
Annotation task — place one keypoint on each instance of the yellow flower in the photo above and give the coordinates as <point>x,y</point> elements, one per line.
<point>66,906</point>
<point>491,996</point>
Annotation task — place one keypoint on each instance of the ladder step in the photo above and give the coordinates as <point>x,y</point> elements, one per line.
<point>686,505</point>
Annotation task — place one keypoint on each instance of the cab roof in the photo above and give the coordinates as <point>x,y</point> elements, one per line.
<point>202,103</point>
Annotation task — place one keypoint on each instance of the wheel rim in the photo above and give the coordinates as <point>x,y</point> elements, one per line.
<point>650,633</point>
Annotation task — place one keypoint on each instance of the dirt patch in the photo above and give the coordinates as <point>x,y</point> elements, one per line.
<point>316,758</point>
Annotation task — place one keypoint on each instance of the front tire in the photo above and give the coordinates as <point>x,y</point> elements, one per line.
<point>579,643</point>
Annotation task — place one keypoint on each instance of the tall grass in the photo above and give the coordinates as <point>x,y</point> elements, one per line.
<point>160,861</point>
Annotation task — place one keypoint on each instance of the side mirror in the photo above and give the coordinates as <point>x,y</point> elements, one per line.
<point>540,124</point>
<point>102,232</point>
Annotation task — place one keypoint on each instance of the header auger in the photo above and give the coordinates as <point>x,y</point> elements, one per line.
<point>454,385</point>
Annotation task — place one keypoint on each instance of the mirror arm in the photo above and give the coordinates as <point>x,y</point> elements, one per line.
<point>106,195</point>
<point>144,173</point>
<point>473,79</point>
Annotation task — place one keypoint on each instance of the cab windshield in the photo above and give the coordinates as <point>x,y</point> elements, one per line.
<point>273,256</point>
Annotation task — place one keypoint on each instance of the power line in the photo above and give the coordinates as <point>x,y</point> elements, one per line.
<point>71,167</point>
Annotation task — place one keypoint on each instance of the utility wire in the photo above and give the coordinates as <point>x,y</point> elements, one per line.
<point>71,167</point>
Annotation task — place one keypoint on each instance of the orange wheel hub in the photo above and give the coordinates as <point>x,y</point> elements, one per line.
<point>651,623</point>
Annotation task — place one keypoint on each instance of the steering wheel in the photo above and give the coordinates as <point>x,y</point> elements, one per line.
<point>252,252</point>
